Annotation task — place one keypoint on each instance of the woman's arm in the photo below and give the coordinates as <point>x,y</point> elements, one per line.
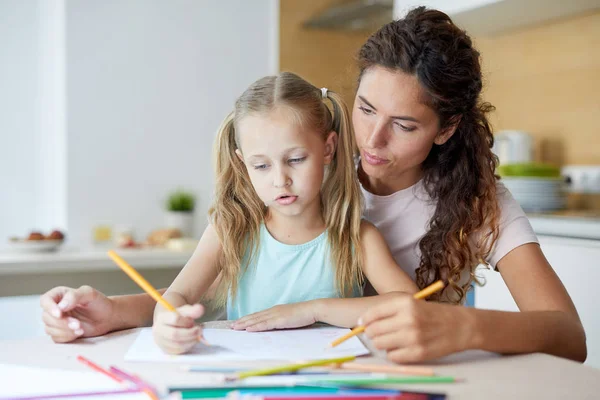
<point>548,321</point>
<point>413,330</point>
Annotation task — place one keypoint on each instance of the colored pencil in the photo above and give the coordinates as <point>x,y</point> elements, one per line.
<point>139,279</point>
<point>208,369</point>
<point>80,394</point>
<point>132,378</point>
<point>291,367</point>
<point>428,291</point>
<point>376,380</point>
<point>290,390</point>
<point>144,284</point>
<point>98,368</point>
<point>118,376</point>
<point>387,369</point>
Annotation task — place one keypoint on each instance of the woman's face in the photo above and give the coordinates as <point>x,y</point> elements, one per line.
<point>395,129</point>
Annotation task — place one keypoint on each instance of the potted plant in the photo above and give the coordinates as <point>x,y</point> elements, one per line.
<point>180,212</point>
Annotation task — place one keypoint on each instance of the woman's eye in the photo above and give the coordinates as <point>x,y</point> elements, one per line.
<point>296,160</point>
<point>365,110</point>
<point>406,128</point>
<point>260,166</point>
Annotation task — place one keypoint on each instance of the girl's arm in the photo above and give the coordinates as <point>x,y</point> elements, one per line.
<point>379,268</point>
<point>176,332</point>
<point>198,274</point>
<point>383,273</point>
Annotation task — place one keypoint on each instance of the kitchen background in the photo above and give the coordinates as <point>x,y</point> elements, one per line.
<point>109,107</point>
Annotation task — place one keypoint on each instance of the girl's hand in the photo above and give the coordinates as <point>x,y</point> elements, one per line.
<point>279,317</point>
<point>176,332</point>
<point>415,330</point>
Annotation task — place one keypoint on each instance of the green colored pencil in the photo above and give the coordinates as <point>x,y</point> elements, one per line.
<point>292,367</point>
<point>378,380</point>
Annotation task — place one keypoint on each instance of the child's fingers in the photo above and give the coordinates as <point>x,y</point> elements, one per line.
<point>174,320</point>
<point>249,320</point>
<point>184,317</point>
<point>179,335</point>
<point>193,311</point>
<point>176,348</point>
<point>265,325</point>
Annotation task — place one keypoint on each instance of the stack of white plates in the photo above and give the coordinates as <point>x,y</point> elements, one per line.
<point>537,194</point>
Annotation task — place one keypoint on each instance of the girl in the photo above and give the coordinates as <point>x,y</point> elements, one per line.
<point>286,220</point>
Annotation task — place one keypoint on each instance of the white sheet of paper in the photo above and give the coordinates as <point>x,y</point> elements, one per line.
<point>229,345</point>
<point>21,381</point>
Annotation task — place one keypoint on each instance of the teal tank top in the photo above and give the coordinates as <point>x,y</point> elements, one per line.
<point>283,274</point>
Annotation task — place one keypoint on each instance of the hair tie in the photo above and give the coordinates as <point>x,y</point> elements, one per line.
<point>324,93</point>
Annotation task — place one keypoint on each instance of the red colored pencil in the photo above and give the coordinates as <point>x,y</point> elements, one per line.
<point>98,368</point>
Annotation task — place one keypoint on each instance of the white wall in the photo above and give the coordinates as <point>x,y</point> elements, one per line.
<point>19,57</point>
<point>145,84</point>
<point>148,84</point>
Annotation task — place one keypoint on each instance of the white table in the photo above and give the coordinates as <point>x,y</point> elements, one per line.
<point>488,376</point>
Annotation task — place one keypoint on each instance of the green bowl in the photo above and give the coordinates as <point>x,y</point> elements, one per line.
<point>529,170</point>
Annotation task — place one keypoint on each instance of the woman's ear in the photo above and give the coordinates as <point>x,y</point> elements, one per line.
<point>330,147</point>
<point>444,135</point>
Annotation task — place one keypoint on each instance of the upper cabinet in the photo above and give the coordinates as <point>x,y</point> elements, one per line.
<point>488,17</point>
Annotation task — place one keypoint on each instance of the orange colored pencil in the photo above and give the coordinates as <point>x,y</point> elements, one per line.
<point>387,369</point>
<point>139,279</point>
<point>428,291</point>
<point>144,284</point>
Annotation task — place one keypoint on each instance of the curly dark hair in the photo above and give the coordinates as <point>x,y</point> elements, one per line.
<point>460,174</point>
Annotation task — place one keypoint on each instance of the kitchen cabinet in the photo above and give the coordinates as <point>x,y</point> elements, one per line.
<point>576,262</point>
<point>486,17</point>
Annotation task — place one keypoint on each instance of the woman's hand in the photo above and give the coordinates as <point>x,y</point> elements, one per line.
<point>279,317</point>
<point>70,313</point>
<point>176,332</point>
<point>415,330</point>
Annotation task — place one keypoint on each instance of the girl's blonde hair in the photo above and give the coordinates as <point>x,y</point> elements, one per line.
<point>237,212</point>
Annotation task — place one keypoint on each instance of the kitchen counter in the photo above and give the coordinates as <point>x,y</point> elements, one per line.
<point>572,224</point>
<point>34,273</point>
<point>81,260</point>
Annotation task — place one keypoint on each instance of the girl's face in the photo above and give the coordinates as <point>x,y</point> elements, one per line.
<point>285,162</point>
<point>395,129</point>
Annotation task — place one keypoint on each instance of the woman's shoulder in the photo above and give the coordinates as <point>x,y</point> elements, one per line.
<point>514,228</point>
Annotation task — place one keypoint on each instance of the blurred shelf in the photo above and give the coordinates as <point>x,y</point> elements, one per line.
<point>77,260</point>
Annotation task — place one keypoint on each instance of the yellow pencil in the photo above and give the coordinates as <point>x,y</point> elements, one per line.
<point>143,283</point>
<point>292,367</point>
<point>428,291</point>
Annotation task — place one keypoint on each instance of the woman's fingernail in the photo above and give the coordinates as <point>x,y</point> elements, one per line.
<point>63,304</point>
<point>360,321</point>
<point>74,325</point>
<point>79,332</point>
<point>55,313</point>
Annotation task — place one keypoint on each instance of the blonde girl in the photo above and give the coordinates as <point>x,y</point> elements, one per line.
<point>286,237</point>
